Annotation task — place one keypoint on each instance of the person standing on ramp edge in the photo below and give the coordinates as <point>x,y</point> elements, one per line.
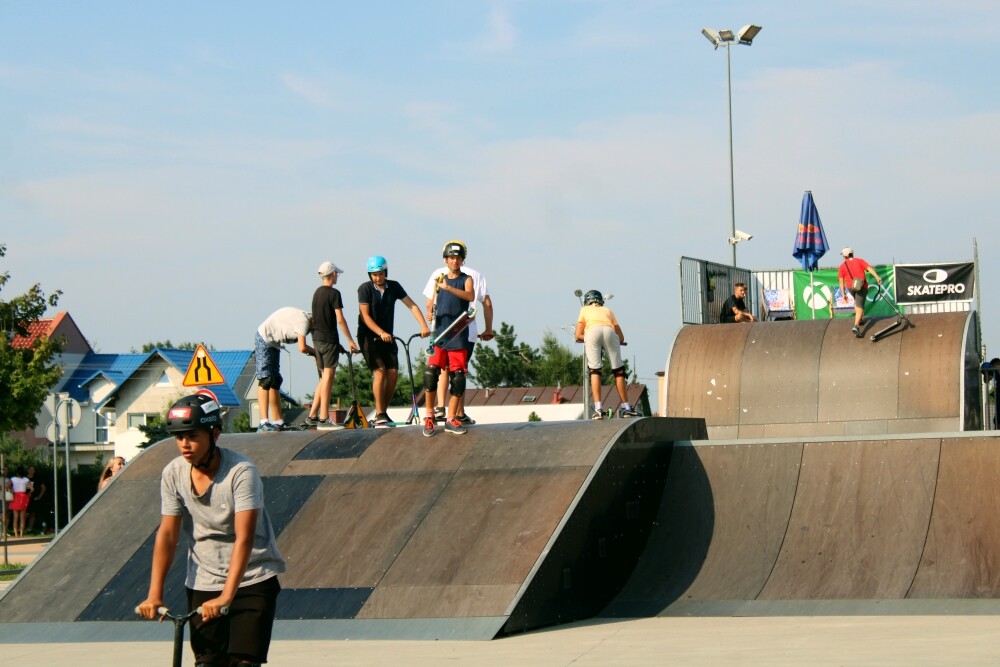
<point>853,270</point>
<point>216,497</point>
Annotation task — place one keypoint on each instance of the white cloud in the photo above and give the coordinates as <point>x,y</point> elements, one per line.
<point>311,91</point>
<point>501,34</point>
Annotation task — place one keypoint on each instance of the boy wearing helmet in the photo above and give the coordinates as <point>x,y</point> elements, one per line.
<point>216,498</point>
<point>482,297</point>
<point>454,293</point>
<point>377,304</point>
<point>599,330</point>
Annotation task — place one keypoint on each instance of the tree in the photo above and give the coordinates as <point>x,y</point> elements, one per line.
<point>27,374</point>
<point>557,364</point>
<point>511,365</point>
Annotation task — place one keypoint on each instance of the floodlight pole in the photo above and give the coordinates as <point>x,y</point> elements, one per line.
<point>727,38</point>
<point>732,188</point>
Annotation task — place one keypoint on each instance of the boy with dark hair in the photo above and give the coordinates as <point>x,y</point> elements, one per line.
<point>216,498</point>
<point>377,305</point>
<point>734,309</point>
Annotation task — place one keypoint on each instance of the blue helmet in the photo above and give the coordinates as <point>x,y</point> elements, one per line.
<point>377,263</point>
<point>592,297</point>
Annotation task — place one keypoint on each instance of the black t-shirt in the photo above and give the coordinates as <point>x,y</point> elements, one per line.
<point>326,302</point>
<point>381,305</point>
<point>727,308</point>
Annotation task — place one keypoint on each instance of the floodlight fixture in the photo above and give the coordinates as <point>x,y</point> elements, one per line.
<point>747,33</point>
<point>712,36</point>
<point>727,35</point>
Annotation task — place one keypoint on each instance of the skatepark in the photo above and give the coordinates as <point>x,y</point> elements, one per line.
<point>809,496</point>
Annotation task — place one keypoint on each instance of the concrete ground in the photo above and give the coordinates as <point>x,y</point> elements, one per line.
<point>813,640</point>
<point>885,640</point>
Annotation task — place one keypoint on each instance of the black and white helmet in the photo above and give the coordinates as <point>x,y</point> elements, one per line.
<point>194,412</point>
<point>454,249</point>
<point>592,297</point>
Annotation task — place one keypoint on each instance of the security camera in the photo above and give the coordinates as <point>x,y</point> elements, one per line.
<point>743,236</point>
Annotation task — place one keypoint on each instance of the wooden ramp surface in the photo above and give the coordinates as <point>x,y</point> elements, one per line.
<point>835,526</point>
<point>386,533</point>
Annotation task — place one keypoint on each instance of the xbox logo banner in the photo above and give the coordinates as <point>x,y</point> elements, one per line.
<point>817,295</point>
<point>931,283</point>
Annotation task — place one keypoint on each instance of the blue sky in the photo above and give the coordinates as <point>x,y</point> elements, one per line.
<point>180,169</point>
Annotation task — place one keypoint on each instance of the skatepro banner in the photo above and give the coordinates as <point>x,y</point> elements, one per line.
<point>931,283</point>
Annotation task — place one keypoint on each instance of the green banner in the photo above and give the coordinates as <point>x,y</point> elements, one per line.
<point>818,297</point>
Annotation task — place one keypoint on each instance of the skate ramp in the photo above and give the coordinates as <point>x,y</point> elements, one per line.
<point>897,525</point>
<point>814,377</point>
<point>387,534</point>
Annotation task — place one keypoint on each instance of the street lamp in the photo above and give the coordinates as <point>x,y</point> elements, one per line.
<point>726,38</point>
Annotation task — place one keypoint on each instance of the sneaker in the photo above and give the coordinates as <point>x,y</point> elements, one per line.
<point>313,421</point>
<point>382,420</point>
<point>439,414</point>
<point>622,412</point>
<point>466,419</point>
<point>428,427</point>
<point>598,414</point>
<point>857,331</point>
<point>268,427</point>
<point>284,427</point>
<point>327,425</point>
<point>455,426</point>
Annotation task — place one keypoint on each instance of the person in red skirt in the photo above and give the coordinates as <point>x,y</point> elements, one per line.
<point>20,485</point>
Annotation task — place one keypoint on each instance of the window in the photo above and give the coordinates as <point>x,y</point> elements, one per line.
<point>164,381</point>
<point>141,419</point>
<point>104,422</point>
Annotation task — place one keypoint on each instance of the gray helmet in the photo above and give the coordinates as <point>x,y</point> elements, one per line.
<point>194,412</point>
<point>593,296</point>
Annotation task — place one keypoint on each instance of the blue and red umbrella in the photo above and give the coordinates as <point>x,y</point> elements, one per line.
<point>810,241</point>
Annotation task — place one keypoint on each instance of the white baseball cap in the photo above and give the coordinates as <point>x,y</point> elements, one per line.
<point>847,251</point>
<point>326,268</point>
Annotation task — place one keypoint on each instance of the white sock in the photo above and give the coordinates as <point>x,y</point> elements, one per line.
<point>597,406</point>
<point>626,405</point>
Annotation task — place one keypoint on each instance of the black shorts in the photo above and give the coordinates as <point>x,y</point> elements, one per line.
<point>326,354</point>
<point>379,354</point>
<point>244,633</point>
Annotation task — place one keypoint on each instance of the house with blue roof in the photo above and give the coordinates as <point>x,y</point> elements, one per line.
<point>119,392</point>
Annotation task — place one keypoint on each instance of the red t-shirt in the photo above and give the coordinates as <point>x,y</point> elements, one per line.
<point>858,268</point>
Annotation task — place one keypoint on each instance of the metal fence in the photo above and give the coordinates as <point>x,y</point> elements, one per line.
<point>706,285</point>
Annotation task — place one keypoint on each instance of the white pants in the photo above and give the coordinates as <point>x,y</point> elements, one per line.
<point>602,338</point>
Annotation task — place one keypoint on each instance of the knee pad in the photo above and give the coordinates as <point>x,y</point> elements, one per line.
<point>595,371</point>
<point>431,375</point>
<point>457,383</point>
<point>618,372</point>
<point>270,382</point>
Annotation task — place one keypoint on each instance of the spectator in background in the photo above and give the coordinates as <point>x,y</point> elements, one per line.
<point>734,309</point>
<point>8,497</point>
<point>113,468</point>
<point>20,485</point>
<point>39,501</point>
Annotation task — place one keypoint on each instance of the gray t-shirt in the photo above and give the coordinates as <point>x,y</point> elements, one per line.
<point>209,521</point>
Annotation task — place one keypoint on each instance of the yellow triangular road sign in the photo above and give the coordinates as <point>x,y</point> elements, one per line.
<point>202,370</point>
